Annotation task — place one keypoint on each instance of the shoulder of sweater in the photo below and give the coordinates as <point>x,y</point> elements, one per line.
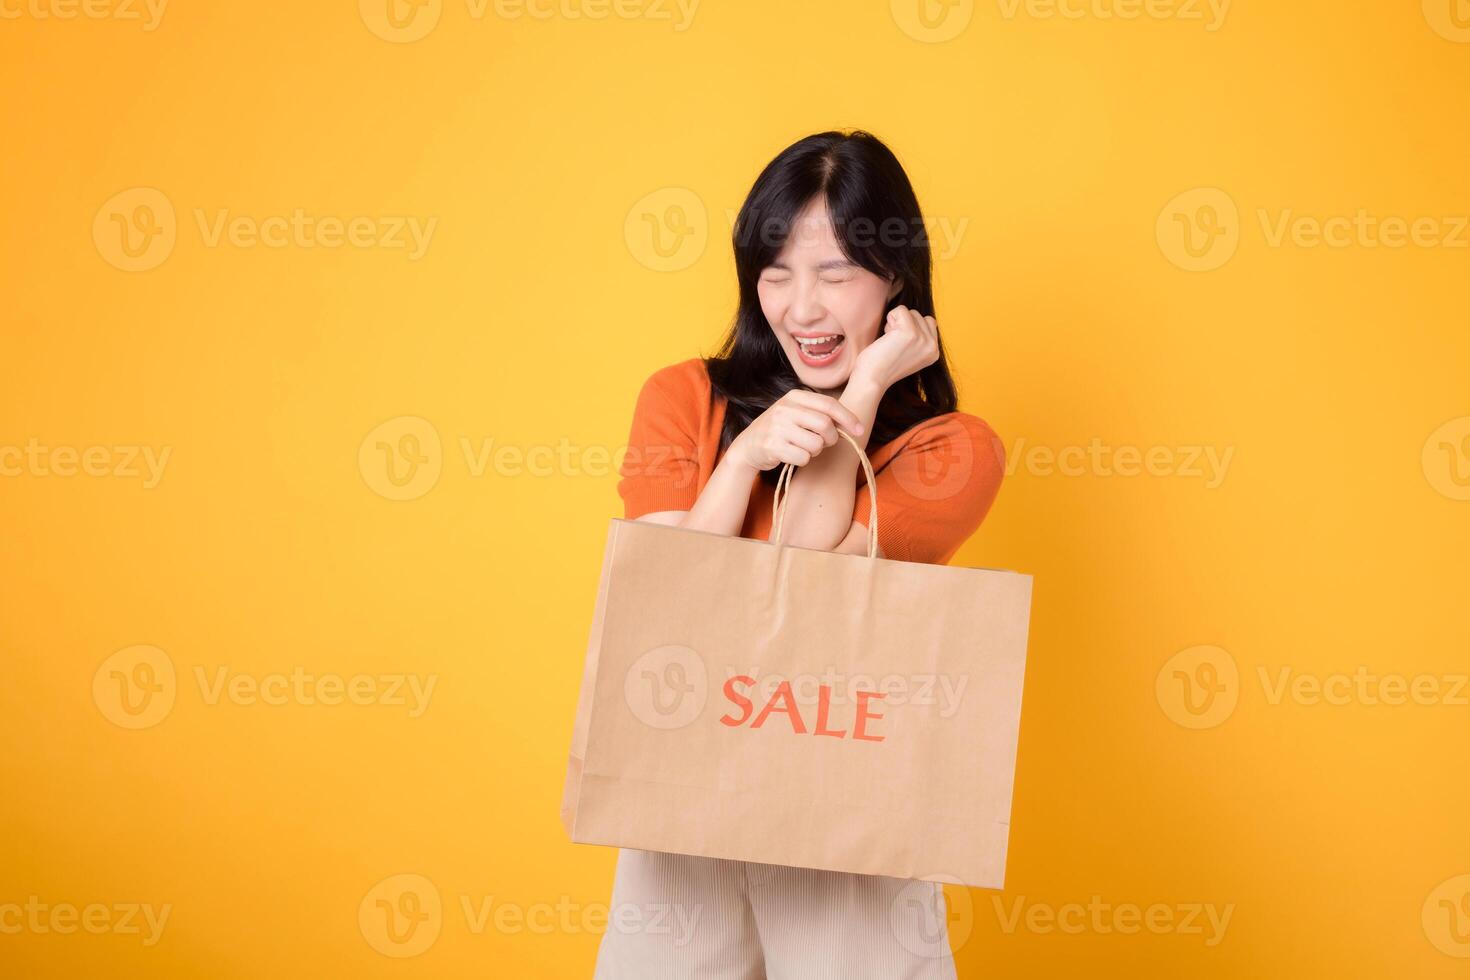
<point>684,382</point>
<point>962,427</point>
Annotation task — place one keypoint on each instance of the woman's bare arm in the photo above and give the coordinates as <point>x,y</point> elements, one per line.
<point>819,514</point>
<point>819,511</point>
<point>722,503</point>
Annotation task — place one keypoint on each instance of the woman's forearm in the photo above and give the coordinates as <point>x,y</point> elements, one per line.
<point>722,503</point>
<point>823,493</point>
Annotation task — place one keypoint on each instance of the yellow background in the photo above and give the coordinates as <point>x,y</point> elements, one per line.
<point>1334,541</point>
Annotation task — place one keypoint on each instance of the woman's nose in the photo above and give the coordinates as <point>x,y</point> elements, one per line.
<point>806,306</point>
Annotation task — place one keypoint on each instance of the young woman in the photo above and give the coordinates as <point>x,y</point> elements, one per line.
<point>835,330</point>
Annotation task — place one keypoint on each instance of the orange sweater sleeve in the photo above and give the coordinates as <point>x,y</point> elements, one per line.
<point>936,489</point>
<point>661,468</point>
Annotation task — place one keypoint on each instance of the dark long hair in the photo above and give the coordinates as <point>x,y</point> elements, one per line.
<point>877,220</point>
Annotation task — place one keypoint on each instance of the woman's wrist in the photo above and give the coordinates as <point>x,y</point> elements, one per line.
<point>862,393</point>
<point>733,459</point>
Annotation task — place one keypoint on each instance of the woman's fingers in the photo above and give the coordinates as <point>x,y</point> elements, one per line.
<point>815,421</point>
<point>797,428</point>
<point>839,413</point>
<point>921,331</point>
<point>805,439</point>
<point>905,317</point>
<point>794,455</point>
<point>801,436</point>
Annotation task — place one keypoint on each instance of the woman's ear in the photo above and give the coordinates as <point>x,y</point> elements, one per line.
<point>895,287</point>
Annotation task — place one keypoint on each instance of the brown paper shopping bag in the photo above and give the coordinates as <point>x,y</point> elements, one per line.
<point>750,700</point>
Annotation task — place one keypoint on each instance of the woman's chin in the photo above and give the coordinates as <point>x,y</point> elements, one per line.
<point>827,377</point>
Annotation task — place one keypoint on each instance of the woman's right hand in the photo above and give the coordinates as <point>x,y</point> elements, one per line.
<point>795,429</point>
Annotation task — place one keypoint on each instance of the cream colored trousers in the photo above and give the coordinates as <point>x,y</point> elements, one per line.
<point>676,917</point>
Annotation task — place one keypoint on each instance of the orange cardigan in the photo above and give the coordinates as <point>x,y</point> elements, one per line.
<point>935,482</point>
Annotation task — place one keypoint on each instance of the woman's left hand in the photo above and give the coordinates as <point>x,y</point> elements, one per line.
<point>909,343</point>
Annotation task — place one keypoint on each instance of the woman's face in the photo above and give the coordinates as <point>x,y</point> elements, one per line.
<point>823,308</point>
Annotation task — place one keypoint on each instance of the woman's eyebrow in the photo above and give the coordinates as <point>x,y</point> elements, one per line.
<point>837,264</point>
<point>821,266</point>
